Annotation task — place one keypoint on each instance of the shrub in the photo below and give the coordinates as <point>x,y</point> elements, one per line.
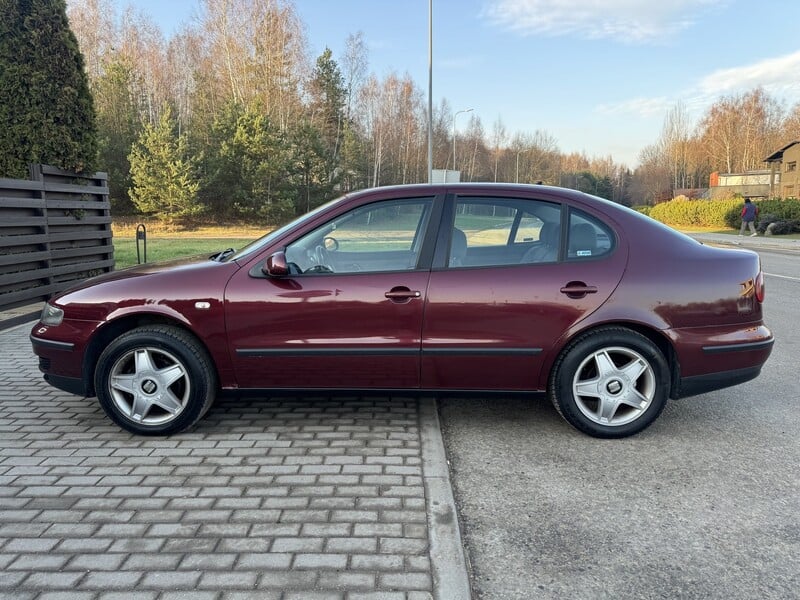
<point>783,227</point>
<point>764,221</point>
<point>785,209</point>
<point>682,212</point>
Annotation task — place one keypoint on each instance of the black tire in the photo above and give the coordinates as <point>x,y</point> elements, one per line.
<point>155,380</point>
<point>610,383</point>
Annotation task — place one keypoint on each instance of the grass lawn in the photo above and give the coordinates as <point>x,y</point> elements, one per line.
<point>163,248</point>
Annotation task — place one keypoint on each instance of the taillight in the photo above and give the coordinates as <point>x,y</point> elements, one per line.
<point>760,286</point>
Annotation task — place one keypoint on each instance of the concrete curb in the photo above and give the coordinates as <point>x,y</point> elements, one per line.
<point>448,563</point>
<point>771,243</point>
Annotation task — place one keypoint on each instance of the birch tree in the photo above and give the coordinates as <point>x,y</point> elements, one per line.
<point>499,136</point>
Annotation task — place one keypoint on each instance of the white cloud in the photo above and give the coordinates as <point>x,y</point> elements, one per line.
<point>623,20</point>
<point>775,75</point>
<point>641,107</point>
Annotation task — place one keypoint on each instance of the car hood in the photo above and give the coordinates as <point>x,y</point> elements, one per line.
<point>190,263</point>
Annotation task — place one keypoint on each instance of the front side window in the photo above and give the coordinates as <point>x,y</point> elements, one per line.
<point>383,236</point>
<point>504,231</point>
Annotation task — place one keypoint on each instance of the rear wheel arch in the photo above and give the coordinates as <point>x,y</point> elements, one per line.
<point>624,344</point>
<point>656,337</point>
<point>664,344</point>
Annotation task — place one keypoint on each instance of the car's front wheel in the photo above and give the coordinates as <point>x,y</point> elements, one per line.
<point>610,383</point>
<point>155,380</point>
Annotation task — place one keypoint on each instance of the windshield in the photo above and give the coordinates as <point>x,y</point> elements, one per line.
<point>266,240</point>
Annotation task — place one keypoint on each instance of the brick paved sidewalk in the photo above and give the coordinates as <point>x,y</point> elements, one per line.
<point>267,498</point>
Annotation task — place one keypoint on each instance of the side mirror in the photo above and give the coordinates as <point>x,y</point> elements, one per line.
<point>276,265</point>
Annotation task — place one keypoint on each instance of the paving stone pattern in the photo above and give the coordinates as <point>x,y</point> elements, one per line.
<point>312,498</point>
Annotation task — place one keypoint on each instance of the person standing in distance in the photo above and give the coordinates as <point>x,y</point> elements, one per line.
<point>749,214</point>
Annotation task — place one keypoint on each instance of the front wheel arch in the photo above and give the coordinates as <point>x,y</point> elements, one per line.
<point>155,380</point>
<point>118,327</point>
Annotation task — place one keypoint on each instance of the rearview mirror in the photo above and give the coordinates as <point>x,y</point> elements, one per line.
<point>276,265</point>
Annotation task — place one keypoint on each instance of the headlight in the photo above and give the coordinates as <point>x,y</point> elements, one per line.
<point>51,315</point>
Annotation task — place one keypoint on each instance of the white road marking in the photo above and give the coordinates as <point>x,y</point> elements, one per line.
<point>782,276</point>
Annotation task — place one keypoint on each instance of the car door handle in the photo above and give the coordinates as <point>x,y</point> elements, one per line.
<point>578,289</point>
<point>402,294</point>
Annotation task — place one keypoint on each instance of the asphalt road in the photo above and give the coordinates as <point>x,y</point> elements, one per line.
<point>703,504</point>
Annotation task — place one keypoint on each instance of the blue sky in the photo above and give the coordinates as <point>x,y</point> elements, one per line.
<point>597,75</point>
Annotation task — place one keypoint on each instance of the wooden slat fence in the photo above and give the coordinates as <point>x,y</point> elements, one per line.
<point>55,230</point>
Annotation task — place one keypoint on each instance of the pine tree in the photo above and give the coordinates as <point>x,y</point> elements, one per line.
<point>327,105</point>
<point>46,110</point>
<point>247,162</point>
<point>163,174</point>
<point>309,168</point>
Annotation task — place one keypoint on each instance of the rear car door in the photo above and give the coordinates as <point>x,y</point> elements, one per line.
<point>349,314</point>
<point>496,305</point>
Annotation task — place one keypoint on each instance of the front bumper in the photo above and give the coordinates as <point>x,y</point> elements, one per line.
<point>61,352</point>
<point>73,385</point>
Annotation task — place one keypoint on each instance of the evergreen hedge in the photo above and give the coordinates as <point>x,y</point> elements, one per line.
<point>722,214</point>
<point>784,213</point>
<point>682,212</point>
<point>46,109</point>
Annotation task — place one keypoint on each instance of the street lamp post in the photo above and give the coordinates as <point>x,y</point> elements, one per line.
<point>430,91</point>
<point>466,110</point>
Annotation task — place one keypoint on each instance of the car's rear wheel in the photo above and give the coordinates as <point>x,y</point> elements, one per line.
<point>610,383</point>
<point>155,380</point>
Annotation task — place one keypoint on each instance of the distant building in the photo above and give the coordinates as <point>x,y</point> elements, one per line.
<point>445,176</point>
<point>784,176</point>
<point>750,184</point>
<point>691,193</point>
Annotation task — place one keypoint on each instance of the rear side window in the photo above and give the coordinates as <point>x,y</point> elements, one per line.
<point>491,231</point>
<point>587,237</point>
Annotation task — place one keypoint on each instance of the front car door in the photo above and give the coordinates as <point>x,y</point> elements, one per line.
<point>349,314</point>
<point>510,277</point>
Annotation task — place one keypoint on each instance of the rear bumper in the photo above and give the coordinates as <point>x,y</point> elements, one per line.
<point>742,347</point>
<point>713,359</point>
<point>700,384</point>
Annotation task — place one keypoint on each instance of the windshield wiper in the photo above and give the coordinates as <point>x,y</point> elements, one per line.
<point>221,256</point>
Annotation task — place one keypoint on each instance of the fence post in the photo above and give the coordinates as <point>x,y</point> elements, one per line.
<point>141,234</point>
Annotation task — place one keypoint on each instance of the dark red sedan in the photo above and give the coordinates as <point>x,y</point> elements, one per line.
<point>435,288</point>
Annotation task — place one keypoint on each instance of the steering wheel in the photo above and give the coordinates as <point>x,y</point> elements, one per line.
<point>319,269</point>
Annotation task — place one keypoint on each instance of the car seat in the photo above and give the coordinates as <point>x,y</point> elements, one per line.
<point>458,248</point>
<point>547,249</point>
